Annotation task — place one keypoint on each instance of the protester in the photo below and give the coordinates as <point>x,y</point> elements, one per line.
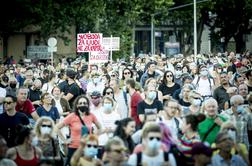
<point>80,123</point>
<point>209,128</point>
<point>10,119</point>
<point>47,108</point>
<point>46,140</point>
<point>225,143</point>
<point>3,149</point>
<point>124,130</point>
<point>87,152</point>
<point>25,153</point>
<point>151,155</point>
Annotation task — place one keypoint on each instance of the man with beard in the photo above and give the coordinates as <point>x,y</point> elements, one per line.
<point>220,93</point>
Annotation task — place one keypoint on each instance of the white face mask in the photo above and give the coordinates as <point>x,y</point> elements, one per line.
<point>232,134</point>
<point>34,141</point>
<point>45,130</point>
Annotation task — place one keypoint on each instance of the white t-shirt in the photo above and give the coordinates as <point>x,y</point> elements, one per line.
<point>121,105</point>
<point>47,88</point>
<point>203,86</point>
<point>107,121</point>
<point>2,94</point>
<point>151,161</point>
<point>92,87</point>
<point>171,124</point>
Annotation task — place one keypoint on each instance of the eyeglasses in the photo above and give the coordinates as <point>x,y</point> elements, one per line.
<point>108,93</point>
<point>113,75</point>
<point>157,138</point>
<point>43,125</point>
<point>7,102</point>
<point>168,75</point>
<point>126,73</point>
<point>82,103</point>
<point>94,146</point>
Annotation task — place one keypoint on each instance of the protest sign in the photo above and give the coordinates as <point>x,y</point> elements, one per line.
<point>99,57</point>
<point>89,42</point>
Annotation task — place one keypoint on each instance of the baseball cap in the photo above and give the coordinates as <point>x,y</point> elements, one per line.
<point>201,148</point>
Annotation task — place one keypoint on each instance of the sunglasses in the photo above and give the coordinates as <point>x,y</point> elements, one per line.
<point>82,103</point>
<point>94,146</point>
<point>108,93</point>
<point>157,138</point>
<point>95,97</point>
<point>43,125</point>
<point>113,75</point>
<point>126,73</point>
<point>7,102</point>
<point>169,75</point>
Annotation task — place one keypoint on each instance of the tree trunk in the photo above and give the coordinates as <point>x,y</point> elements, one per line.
<point>239,43</point>
<point>199,34</point>
<point>5,45</point>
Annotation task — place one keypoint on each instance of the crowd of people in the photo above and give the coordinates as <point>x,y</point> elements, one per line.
<point>149,111</point>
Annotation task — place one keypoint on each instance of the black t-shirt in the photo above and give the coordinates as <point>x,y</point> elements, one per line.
<point>74,89</point>
<point>34,95</point>
<point>8,126</point>
<point>183,103</point>
<point>249,88</point>
<point>168,90</point>
<point>143,107</point>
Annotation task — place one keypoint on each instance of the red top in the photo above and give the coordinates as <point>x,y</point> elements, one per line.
<point>21,162</point>
<point>135,99</point>
<point>26,107</point>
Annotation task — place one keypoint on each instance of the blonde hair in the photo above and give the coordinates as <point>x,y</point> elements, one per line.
<point>39,123</point>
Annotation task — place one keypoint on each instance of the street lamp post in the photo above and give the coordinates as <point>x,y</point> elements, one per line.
<point>195,29</point>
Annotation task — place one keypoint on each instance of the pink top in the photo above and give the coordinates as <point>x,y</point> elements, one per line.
<point>73,121</point>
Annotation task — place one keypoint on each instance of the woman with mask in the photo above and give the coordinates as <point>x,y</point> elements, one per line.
<point>152,82</point>
<point>80,123</point>
<point>149,104</point>
<point>124,130</point>
<point>107,117</point>
<point>86,154</point>
<point>190,135</point>
<point>46,140</point>
<point>25,153</point>
<point>196,102</point>
<point>168,86</point>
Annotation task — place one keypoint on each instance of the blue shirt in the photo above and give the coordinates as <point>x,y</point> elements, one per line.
<point>236,160</point>
<point>52,113</point>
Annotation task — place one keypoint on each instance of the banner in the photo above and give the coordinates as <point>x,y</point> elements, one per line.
<point>99,57</point>
<point>89,42</point>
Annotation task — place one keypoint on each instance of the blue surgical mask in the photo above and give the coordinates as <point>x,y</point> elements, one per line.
<point>90,152</point>
<point>196,102</point>
<point>204,73</point>
<point>240,109</point>
<point>152,95</point>
<point>154,145</point>
<point>96,80</point>
<point>107,106</point>
<point>232,134</point>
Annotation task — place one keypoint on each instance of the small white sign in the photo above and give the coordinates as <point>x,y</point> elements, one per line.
<point>111,43</point>
<point>99,57</point>
<point>52,42</point>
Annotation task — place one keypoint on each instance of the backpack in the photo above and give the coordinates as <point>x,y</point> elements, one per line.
<point>139,158</point>
<point>209,80</point>
<point>179,134</point>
